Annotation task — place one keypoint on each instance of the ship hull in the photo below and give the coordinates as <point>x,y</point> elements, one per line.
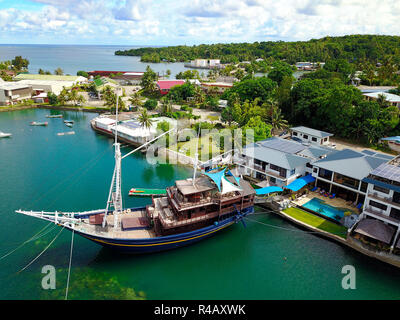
<point>163,243</point>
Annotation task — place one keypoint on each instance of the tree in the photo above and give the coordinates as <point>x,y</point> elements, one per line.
<point>82,74</point>
<point>20,63</point>
<point>148,80</point>
<point>261,130</point>
<point>52,98</point>
<point>145,120</point>
<point>136,99</point>
<point>250,89</point>
<point>280,70</point>
<point>277,121</point>
<point>59,72</point>
<point>150,104</point>
<point>166,106</point>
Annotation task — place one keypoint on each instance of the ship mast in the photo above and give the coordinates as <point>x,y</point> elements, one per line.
<point>196,156</point>
<point>114,197</point>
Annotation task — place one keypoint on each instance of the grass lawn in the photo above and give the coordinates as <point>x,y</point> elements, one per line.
<point>316,222</point>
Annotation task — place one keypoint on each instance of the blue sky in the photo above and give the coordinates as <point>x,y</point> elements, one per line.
<point>171,22</point>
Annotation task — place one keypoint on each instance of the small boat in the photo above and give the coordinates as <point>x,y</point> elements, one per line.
<point>68,124</point>
<point>5,135</point>
<point>54,116</point>
<point>69,121</point>
<point>65,133</point>
<point>147,192</point>
<point>34,123</point>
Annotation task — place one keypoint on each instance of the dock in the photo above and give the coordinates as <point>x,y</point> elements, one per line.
<point>142,192</point>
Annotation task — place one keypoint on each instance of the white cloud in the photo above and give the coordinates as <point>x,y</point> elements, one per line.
<point>199,21</point>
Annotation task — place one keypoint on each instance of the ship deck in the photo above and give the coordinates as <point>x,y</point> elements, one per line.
<point>109,232</point>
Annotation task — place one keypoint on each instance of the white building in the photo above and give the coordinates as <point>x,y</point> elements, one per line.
<point>45,86</point>
<point>14,92</point>
<point>310,135</point>
<point>392,99</point>
<point>278,161</point>
<point>380,218</point>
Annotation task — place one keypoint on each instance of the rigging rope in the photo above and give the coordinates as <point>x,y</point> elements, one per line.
<point>68,177</point>
<point>70,261</point>
<point>42,251</point>
<point>34,237</point>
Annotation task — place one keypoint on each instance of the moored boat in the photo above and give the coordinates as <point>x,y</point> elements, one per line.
<point>54,116</point>
<point>35,123</point>
<point>5,135</point>
<point>193,209</point>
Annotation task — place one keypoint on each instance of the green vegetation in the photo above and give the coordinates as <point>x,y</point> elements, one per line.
<point>316,222</point>
<point>353,48</point>
<point>82,74</point>
<point>148,80</point>
<point>150,104</point>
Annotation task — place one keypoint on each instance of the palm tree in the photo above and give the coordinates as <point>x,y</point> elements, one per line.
<point>59,72</point>
<point>166,106</point>
<point>382,101</point>
<point>136,99</point>
<point>277,121</point>
<point>145,120</point>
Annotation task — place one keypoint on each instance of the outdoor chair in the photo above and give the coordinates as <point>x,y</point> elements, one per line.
<point>333,195</point>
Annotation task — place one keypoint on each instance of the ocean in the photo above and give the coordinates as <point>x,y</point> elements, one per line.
<point>73,58</point>
<point>268,259</point>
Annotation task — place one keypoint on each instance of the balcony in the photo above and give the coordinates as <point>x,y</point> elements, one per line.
<point>387,200</point>
<point>376,214</point>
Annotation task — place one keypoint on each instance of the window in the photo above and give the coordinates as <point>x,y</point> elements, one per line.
<point>309,165</point>
<point>315,170</point>
<point>326,174</point>
<point>305,136</point>
<point>395,213</point>
<point>346,181</point>
<point>377,205</point>
<point>295,133</point>
<point>282,171</point>
<point>292,172</point>
<point>380,189</point>
<point>364,186</point>
<point>314,139</point>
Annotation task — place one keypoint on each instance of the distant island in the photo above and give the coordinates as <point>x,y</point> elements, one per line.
<point>353,48</point>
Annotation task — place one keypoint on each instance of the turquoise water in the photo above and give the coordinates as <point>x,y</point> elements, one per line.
<point>269,259</point>
<point>321,207</point>
<point>72,58</point>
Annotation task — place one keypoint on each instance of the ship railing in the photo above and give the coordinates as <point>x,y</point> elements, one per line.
<point>167,224</point>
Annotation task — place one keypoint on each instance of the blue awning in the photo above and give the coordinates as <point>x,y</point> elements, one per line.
<point>300,182</point>
<point>216,177</point>
<point>267,190</point>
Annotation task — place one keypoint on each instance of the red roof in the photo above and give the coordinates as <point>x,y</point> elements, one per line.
<point>168,84</point>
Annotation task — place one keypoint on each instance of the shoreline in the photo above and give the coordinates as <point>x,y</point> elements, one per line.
<point>62,108</point>
<point>349,242</point>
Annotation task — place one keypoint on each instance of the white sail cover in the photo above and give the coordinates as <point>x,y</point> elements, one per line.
<point>228,187</point>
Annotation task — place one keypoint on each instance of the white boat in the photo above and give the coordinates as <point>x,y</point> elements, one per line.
<point>54,116</point>
<point>5,135</point>
<point>65,133</point>
<point>68,124</point>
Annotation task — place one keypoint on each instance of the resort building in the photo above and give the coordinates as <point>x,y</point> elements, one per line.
<point>277,161</point>
<point>220,86</point>
<point>380,218</point>
<point>14,92</point>
<point>392,99</point>
<point>45,86</point>
<point>342,173</point>
<point>165,85</point>
<point>309,135</point>
<point>130,130</point>
<point>45,77</point>
<point>204,63</point>
<point>128,78</point>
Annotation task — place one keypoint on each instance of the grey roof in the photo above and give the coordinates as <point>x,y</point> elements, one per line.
<point>350,163</point>
<point>315,153</point>
<point>377,154</point>
<point>312,132</point>
<point>279,158</point>
<point>283,145</point>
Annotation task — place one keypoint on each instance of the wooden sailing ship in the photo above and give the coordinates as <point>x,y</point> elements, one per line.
<point>193,209</point>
